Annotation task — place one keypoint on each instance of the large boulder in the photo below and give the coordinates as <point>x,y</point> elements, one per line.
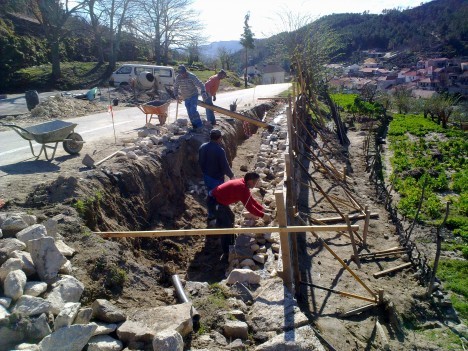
<point>301,339</point>
<point>243,276</point>
<point>67,315</point>
<point>144,324</point>
<point>107,312</point>
<point>67,289</point>
<point>104,343</point>
<point>46,257</point>
<point>10,265</point>
<point>14,284</point>
<point>72,338</point>
<point>30,305</point>
<point>35,231</point>
<point>168,340</point>
<point>276,310</point>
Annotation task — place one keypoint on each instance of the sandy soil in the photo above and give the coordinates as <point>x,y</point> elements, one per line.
<point>146,265</point>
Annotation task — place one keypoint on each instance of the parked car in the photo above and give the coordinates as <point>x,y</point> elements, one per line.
<point>129,71</point>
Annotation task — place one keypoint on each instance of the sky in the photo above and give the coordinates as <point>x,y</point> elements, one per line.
<point>224,19</point>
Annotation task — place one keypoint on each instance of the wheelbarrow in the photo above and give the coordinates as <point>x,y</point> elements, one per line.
<point>156,107</point>
<point>48,133</point>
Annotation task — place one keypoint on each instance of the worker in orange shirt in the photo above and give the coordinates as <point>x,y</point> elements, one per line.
<point>211,87</point>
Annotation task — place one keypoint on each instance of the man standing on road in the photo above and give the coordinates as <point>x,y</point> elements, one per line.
<point>211,86</point>
<point>233,191</point>
<point>185,88</point>
<point>214,165</point>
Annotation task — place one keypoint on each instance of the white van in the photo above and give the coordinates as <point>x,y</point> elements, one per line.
<point>124,74</point>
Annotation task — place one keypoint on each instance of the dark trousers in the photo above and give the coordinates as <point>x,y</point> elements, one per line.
<point>225,219</point>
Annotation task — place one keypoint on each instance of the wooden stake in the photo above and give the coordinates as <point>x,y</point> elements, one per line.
<point>366,225</point>
<point>353,243</point>
<point>390,270</point>
<point>284,240</point>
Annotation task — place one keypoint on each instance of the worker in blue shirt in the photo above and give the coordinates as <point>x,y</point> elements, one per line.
<point>214,165</point>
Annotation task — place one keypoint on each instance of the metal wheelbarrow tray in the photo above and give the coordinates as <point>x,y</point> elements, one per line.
<point>48,133</point>
<point>155,107</point>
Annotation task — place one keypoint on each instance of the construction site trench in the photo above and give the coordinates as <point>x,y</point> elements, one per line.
<point>128,290</point>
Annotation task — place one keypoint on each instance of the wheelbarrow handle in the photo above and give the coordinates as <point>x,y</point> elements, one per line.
<point>14,127</point>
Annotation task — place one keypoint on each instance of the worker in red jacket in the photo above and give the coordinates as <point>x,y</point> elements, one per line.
<point>229,193</point>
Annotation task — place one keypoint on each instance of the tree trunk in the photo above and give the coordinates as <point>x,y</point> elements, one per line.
<point>55,59</point>
<point>245,74</point>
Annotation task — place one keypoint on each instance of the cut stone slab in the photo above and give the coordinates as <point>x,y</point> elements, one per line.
<point>72,338</point>
<point>28,264</point>
<point>10,265</point>
<point>66,315</point>
<point>3,312</point>
<point>66,250</point>
<point>243,276</point>
<point>35,231</point>
<point>30,305</point>
<point>35,288</point>
<point>276,309</point>
<point>236,329</point>
<point>13,224</point>
<point>83,316</point>
<point>67,289</point>
<point>105,311</point>
<point>301,339</point>
<point>5,302</point>
<point>168,340</point>
<point>104,343</point>
<point>46,257</point>
<point>9,245</point>
<point>104,328</point>
<point>142,324</point>
<point>14,284</point>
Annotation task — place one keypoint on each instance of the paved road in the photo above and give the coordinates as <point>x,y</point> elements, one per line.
<point>95,127</point>
<point>15,104</point>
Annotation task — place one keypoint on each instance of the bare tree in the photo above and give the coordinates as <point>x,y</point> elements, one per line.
<point>53,15</point>
<point>225,57</point>
<point>166,24</point>
<point>117,13</point>
<point>95,16</point>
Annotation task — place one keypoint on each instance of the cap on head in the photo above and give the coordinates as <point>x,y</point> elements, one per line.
<point>181,69</point>
<point>223,73</point>
<point>215,134</point>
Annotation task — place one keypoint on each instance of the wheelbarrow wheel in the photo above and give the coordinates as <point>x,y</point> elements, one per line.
<point>73,145</point>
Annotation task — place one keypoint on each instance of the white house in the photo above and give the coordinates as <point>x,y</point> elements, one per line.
<point>272,74</point>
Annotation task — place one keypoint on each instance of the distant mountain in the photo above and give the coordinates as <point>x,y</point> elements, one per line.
<point>211,50</point>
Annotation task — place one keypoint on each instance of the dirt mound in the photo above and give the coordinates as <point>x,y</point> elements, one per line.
<point>65,107</point>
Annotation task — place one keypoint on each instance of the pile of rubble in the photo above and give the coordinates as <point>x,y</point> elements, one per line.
<point>40,305</point>
<point>61,107</point>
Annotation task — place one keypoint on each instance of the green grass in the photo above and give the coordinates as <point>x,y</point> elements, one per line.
<point>343,100</point>
<point>454,274</point>
<point>445,339</point>
<point>85,75</point>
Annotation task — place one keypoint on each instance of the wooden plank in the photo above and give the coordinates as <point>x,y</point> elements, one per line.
<point>220,231</point>
<point>351,217</point>
<point>236,115</point>
<point>358,310</point>
<point>390,270</point>
<point>366,225</point>
<point>284,240</point>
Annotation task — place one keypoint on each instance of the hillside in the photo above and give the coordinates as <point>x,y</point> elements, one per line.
<point>437,28</point>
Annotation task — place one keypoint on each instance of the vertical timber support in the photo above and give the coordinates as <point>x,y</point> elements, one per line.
<point>353,242</point>
<point>366,225</point>
<point>284,240</point>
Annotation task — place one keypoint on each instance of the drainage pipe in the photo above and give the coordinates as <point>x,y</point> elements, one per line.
<point>183,298</point>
